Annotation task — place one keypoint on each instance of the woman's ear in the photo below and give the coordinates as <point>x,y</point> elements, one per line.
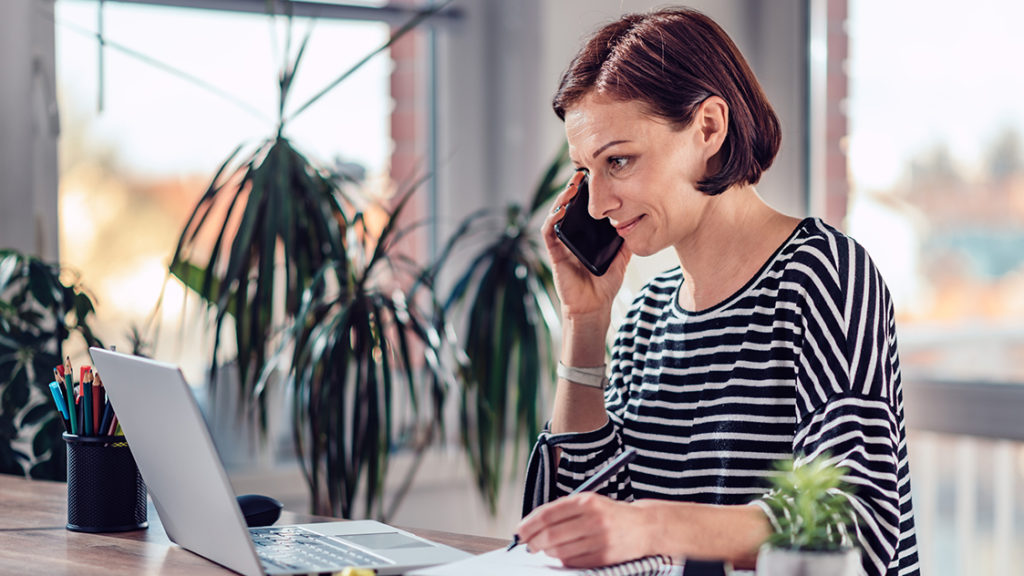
<point>712,119</point>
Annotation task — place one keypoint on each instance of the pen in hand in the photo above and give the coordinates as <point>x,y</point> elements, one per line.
<point>595,481</point>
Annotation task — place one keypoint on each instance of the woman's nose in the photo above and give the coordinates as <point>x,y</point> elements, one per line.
<point>602,200</point>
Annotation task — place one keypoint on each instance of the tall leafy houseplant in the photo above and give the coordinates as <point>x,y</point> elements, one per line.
<point>357,347</point>
<point>813,521</point>
<point>278,248</point>
<point>38,312</point>
<point>507,294</point>
<point>267,223</point>
<point>357,343</point>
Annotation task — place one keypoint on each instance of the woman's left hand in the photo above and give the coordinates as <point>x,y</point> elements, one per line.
<point>586,530</point>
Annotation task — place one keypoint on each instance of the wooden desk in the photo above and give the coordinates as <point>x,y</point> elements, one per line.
<point>33,539</point>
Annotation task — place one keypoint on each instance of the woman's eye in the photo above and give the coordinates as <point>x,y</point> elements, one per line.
<point>617,162</point>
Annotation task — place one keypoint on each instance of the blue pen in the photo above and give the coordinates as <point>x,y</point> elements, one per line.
<point>62,406</point>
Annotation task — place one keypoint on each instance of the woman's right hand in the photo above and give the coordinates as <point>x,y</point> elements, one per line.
<point>583,295</point>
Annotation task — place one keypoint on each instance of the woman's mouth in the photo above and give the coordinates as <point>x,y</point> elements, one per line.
<point>627,227</point>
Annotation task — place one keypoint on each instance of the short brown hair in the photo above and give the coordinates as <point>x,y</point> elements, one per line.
<point>671,61</point>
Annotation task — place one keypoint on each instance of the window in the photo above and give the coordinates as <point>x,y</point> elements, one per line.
<point>147,124</point>
<point>937,179</point>
<point>937,169</point>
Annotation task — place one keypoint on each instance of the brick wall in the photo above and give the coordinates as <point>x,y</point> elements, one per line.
<point>837,180</point>
<point>409,114</point>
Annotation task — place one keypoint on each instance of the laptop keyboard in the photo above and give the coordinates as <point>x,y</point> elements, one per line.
<point>296,549</point>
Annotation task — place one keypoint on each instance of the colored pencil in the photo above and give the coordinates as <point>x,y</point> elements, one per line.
<point>99,398</point>
<point>108,415</point>
<point>62,406</point>
<point>69,386</point>
<point>86,380</point>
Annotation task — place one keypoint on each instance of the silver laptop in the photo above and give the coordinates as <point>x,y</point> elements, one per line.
<point>197,507</point>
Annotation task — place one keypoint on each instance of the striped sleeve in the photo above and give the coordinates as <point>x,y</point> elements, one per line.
<point>847,383</point>
<point>583,454</point>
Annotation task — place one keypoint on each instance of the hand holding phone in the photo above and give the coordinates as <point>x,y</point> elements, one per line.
<point>594,242</point>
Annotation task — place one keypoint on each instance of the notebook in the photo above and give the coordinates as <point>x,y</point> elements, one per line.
<point>197,507</point>
<point>519,562</point>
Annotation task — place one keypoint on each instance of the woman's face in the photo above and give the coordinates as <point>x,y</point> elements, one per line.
<point>643,172</point>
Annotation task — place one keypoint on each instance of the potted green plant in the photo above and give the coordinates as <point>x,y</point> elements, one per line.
<point>269,220</point>
<point>356,345</point>
<point>280,251</point>
<point>38,312</point>
<point>359,337</point>
<point>813,522</point>
<point>348,325</point>
<point>507,297</point>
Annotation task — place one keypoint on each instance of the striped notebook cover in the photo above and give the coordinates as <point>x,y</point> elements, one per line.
<point>648,566</point>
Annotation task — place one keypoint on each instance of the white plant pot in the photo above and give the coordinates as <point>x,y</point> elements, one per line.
<point>773,561</point>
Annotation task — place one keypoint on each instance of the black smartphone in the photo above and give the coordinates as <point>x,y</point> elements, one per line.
<point>594,242</point>
<point>705,568</point>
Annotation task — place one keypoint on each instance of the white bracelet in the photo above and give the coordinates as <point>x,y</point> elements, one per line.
<point>593,376</point>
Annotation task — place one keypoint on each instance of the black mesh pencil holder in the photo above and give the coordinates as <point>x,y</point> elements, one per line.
<point>105,490</point>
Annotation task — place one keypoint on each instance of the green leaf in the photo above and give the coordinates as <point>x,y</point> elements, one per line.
<point>8,431</point>
<point>10,461</point>
<point>809,497</point>
<point>507,292</point>
<point>360,338</point>
<point>44,441</point>
<point>38,312</point>
<point>288,74</point>
<point>240,277</point>
<point>37,413</point>
<point>16,391</point>
<point>197,218</point>
<point>10,264</point>
<point>43,284</point>
<point>196,279</point>
<point>51,461</point>
<point>52,468</point>
<point>551,184</point>
<point>405,29</point>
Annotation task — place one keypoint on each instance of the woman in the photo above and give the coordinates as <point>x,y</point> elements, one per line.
<point>774,337</point>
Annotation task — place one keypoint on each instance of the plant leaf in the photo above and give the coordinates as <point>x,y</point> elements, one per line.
<point>551,184</point>
<point>405,29</point>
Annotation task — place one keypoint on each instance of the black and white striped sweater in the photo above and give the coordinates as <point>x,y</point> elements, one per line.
<point>799,362</point>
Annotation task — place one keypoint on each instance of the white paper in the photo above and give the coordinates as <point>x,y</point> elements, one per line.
<point>515,562</point>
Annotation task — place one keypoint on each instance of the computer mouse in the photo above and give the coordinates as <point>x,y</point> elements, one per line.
<point>259,510</point>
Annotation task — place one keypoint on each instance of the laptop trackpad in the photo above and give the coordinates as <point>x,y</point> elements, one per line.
<point>383,541</point>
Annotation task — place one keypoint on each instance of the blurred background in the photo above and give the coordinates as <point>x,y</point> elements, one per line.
<point>903,126</point>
